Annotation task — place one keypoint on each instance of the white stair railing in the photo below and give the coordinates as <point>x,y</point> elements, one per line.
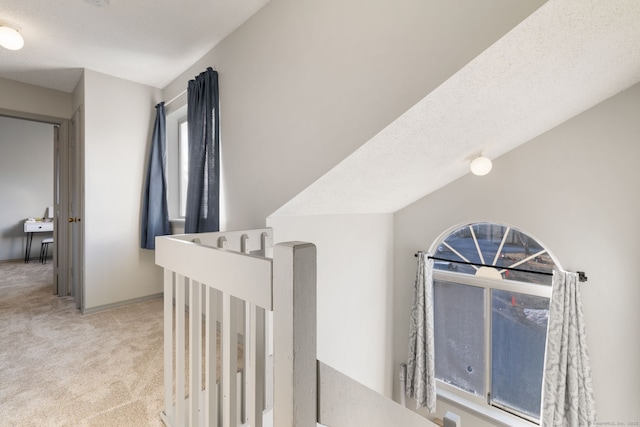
<point>225,278</point>
<point>210,285</point>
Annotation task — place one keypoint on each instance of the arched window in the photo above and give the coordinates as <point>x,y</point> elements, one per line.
<point>491,305</point>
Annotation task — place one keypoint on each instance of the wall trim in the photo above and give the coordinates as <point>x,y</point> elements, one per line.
<point>105,307</point>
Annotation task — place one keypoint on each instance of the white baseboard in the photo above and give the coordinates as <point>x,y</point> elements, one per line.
<point>98,308</point>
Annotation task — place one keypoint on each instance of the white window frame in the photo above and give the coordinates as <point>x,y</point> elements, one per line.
<point>482,406</point>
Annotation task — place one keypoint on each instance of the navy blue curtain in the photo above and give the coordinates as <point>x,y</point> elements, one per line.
<point>155,212</point>
<point>203,190</point>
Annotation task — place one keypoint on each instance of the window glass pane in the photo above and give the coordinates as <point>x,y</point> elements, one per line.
<point>459,335</point>
<point>519,330</point>
<point>183,168</point>
<point>489,237</point>
<point>516,250</point>
<point>518,247</point>
<point>462,242</point>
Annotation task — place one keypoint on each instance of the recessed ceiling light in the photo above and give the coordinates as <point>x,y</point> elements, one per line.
<point>99,3</point>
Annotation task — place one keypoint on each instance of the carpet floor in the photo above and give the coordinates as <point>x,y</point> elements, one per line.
<point>60,368</point>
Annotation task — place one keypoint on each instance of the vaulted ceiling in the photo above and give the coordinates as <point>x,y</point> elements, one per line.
<point>564,58</point>
<point>560,61</point>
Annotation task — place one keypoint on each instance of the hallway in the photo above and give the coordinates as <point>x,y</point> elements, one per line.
<point>60,368</point>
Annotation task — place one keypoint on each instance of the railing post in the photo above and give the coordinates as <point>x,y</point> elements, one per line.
<point>294,318</point>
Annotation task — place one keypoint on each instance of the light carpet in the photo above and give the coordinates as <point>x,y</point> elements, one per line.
<point>60,368</point>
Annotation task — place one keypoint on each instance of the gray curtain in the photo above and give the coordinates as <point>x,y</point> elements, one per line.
<point>155,212</point>
<point>420,380</point>
<point>203,190</point>
<point>567,393</point>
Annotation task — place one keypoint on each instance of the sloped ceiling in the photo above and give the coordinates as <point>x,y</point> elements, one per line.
<point>144,41</point>
<point>566,57</point>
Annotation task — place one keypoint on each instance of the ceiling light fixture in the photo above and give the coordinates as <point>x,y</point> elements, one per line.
<point>481,165</point>
<point>10,38</point>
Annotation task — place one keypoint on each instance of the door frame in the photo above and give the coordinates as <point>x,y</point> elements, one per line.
<point>62,239</point>
<point>74,200</point>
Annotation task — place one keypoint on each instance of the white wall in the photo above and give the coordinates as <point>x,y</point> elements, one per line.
<point>575,189</point>
<point>355,268</point>
<point>118,119</point>
<point>304,83</point>
<point>26,182</point>
<point>34,99</point>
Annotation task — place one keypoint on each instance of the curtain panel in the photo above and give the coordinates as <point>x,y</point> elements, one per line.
<point>155,210</point>
<point>203,189</point>
<point>420,380</point>
<point>567,392</point>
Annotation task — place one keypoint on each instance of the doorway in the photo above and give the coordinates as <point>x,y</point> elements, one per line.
<point>68,204</point>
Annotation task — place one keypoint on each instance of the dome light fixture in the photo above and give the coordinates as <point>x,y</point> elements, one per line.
<point>10,38</point>
<point>480,165</point>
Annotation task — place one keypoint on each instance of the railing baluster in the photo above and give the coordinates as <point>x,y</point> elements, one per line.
<point>168,345</point>
<point>256,374</point>
<point>180,350</point>
<point>211,388</point>
<point>244,243</point>
<point>195,351</point>
<point>229,360</point>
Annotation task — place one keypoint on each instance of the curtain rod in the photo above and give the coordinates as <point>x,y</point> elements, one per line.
<point>175,97</point>
<point>581,274</point>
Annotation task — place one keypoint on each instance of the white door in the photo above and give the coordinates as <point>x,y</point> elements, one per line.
<point>68,201</point>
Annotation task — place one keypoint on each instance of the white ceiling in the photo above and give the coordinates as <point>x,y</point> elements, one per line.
<point>145,41</point>
<point>566,57</point>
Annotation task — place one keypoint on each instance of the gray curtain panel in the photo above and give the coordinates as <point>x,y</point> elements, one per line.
<point>420,381</point>
<point>567,393</point>
<point>155,211</point>
<point>203,190</point>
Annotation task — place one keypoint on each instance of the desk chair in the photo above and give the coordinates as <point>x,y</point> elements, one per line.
<point>44,249</point>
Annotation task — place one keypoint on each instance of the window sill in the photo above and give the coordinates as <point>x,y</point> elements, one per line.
<point>488,413</point>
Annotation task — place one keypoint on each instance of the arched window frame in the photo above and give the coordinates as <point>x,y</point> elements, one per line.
<point>484,404</point>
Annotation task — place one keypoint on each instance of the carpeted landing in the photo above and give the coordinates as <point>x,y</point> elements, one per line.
<point>60,368</point>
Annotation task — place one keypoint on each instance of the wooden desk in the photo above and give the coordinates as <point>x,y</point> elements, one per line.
<point>31,227</point>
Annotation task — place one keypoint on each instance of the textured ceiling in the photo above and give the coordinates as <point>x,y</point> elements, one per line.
<point>145,41</point>
<point>566,57</point>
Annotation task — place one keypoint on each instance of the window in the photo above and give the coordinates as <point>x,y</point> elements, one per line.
<point>183,164</point>
<point>178,168</point>
<point>177,164</point>
<point>492,285</point>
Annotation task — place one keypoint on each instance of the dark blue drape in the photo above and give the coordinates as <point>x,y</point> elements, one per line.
<point>203,190</point>
<point>155,212</point>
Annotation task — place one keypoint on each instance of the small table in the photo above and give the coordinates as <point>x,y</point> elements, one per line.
<point>31,227</point>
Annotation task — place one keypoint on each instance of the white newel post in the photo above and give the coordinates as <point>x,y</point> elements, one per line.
<point>294,319</point>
